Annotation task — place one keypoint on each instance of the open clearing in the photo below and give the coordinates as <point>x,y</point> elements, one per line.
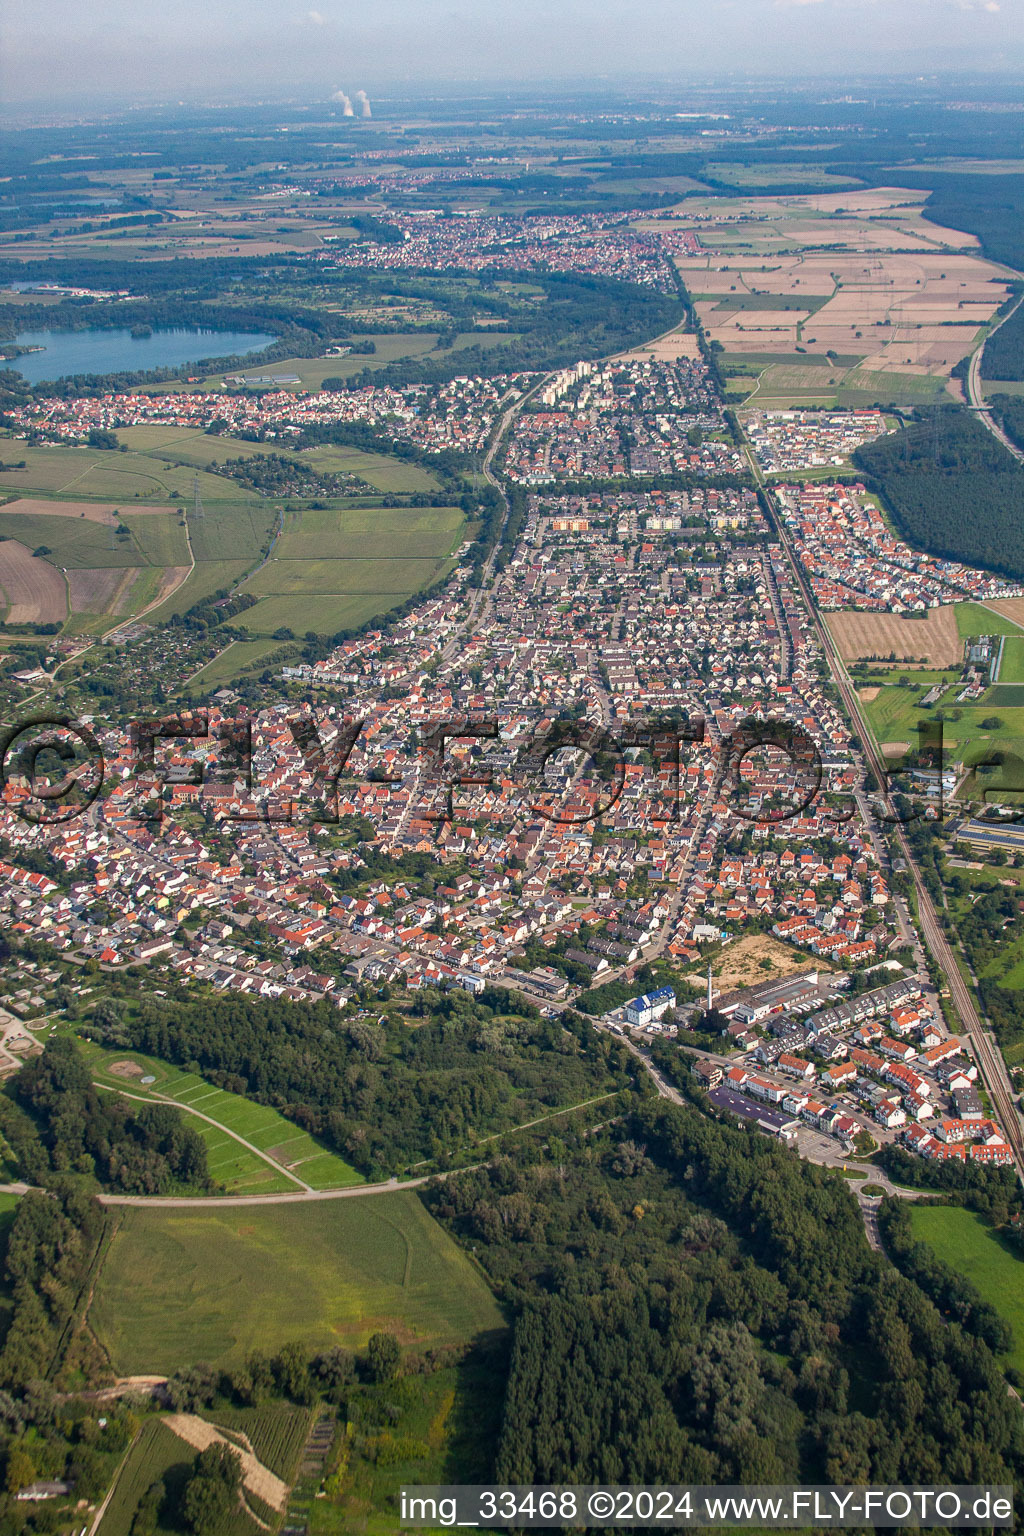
<point>200,450</point>
<point>320,576</point>
<point>757,958</point>
<point>33,591</point>
<point>932,641</point>
<point>299,1158</point>
<point>213,1284</point>
<point>965,1242</point>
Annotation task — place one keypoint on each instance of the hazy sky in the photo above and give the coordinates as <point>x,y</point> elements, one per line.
<point>67,49</point>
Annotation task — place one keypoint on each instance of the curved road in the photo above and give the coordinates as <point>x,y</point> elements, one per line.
<point>975,394</point>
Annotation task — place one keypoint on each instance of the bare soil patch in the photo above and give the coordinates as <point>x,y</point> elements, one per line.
<point>255,1476</point>
<point>933,639</point>
<point>126,1069</point>
<point>33,590</point>
<point>867,694</point>
<point>740,965</point>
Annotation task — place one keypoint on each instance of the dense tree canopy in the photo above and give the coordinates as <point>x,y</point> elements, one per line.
<point>952,489</point>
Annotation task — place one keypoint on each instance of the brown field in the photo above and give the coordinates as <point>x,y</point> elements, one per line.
<point>866,695</point>
<point>170,581</point>
<point>901,308</point>
<point>96,589</point>
<point>1010,607</point>
<point>665,349</point>
<point>33,590</point>
<point>92,511</point>
<point>934,639</point>
<point>739,964</point>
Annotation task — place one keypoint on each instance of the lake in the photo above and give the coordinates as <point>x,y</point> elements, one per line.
<point>118,351</point>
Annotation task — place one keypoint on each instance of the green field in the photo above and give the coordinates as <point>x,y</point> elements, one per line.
<point>1011,664</point>
<point>789,379</point>
<point>238,657</point>
<point>216,1283</point>
<point>201,450</point>
<point>90,474</point>
<point>325,613</point>
<point>377,469</point>
<point>276,1431</point>
<point>1005,696</point>
<point>76,542</point>
<point>975,619</point>
<point>158,1454</point>
<point>291,1157</point>
<point>384,534</point>
<point>313,370</point>
<point>322,578</point>
<point>160,536</point>
<point>208,577</point>
<point>966,1243</point>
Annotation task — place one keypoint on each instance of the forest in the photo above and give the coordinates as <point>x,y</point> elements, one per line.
<point>694,1303</point>
<point>144,1149</point>
<point>1008,410</point>
<point>952,490</point>
<point>379,1092</point>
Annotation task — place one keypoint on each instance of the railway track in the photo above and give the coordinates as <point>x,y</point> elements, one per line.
<point>986,1053</point>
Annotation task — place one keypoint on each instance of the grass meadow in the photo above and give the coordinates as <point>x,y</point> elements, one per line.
<point>964,1241</point>
<point>291,1157</point>
<point>214,1283</point>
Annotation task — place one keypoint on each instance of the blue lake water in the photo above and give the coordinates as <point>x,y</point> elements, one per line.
<point>118,351</point>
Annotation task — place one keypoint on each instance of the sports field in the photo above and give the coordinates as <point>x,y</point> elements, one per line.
<point>291,1158</point>
<point>215,1283</point>
<point>965,1242</point>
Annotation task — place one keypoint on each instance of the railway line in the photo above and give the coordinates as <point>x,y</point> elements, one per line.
<point>986,1052</point>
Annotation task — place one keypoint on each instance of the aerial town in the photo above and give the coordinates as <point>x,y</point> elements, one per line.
<point>622,610</point>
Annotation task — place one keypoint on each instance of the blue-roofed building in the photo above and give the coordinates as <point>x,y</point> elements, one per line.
<point>644,1010</point>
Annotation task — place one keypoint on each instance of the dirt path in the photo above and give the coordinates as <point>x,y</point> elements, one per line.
<point>257,1478</point>
<point>160,1098</point>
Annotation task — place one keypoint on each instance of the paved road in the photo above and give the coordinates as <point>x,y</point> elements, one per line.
<point>986,1052</point>
<point>975,393</point>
